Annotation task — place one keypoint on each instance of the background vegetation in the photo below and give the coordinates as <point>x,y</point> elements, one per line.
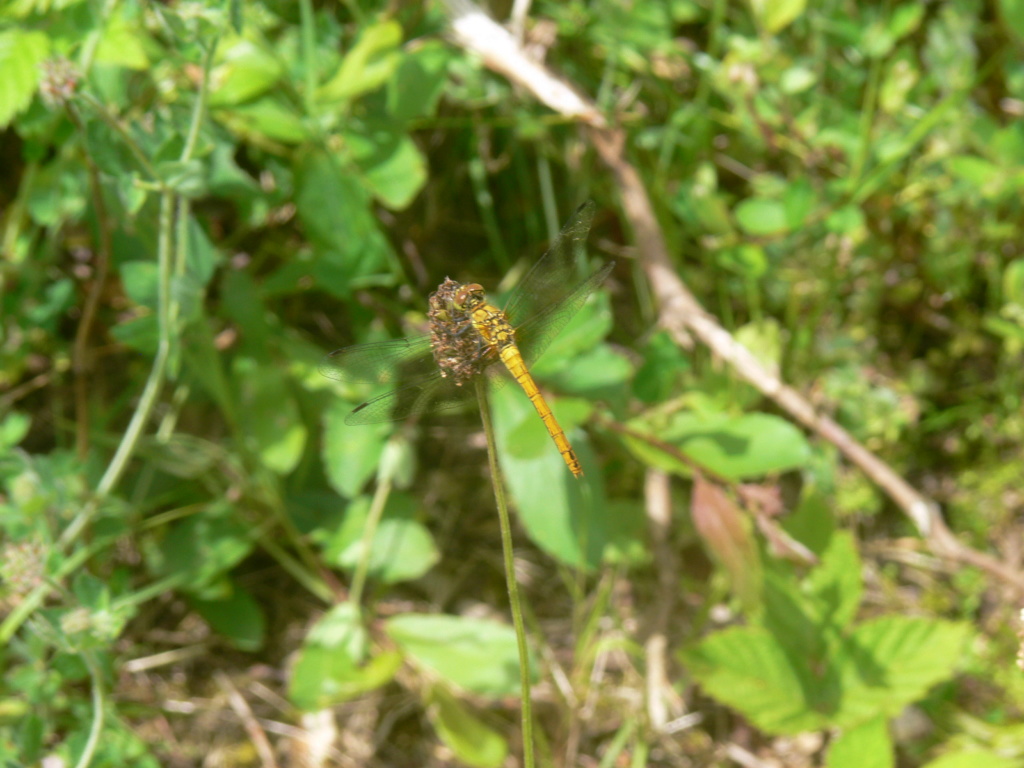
<point>200,199</point>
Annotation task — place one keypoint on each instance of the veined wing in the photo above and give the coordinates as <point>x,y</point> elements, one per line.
<point>536,334</point>
<point>556,274</point>
<point>409,365</point>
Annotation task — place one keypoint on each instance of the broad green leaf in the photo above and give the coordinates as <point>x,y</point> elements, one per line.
<point>245,72</point>
<point>584,332</point>
<point>323,677</point>
<point>762,217</point>
<point>332,665</point>
<point>13,428</point>
<point>22,53</point>
<point>798,201</point>
<point>395,168</point>
<point>890,662</point>
<point>566,517</point>
<point>1013,282</point>
<point>663,362</point>
<point>476,655</point>
<point>141,282</point>
<point>238,618</point>
<point>747,669</point>
<point>866,746</point>
<point>123,43</point>
<point>58,193</point>
<point>335,210</point>
<point>202,548</point>
<point>341,628</point>
<point>188,179</point>
<point>269,118</point>
<point>746,259</point>
<point>600,373</point>
<point>737,447</point>
<point>402,548</point>
<point>417,84</point>
<point>272,420</point>
<point>350,454</point>
<point>836,583</point>
<point>367,66</point>
<point>472,741</point>
<point>1012,13</point>
<point>775,15</point>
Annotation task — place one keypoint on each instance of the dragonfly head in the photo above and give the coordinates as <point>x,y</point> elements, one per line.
<point>468,297</point>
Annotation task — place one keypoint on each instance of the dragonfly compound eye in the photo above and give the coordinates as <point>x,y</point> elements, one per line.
<point>468,297</point>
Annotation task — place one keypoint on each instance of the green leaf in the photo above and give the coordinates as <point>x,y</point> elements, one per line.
<point>238,618</point>
<point>324,677</point>
<point>202,548</point>
<point>141,282</point>
<point>335,210</point>
<point>13,428</point>
<point>245,72</point>
<point>761,217</point>
<point>737,447</point>
<point>124,42</point>
<point>419,81</point>
<point>402,548</point>
<point>368,66</point>
<point>22,53</point>
<point>269,118</point>
<point>866,746</point>
<point>395,168</point>
<point>350,454</point>
<point>836,583</point>
<point>1012,14</point>
<point>566,517</point>
<point>187,178</point>
<point>272,420</point>
<point>746,668</point>
<point>475,655</point>
<point>775,15</point>
<point>1013,282</point>
<point>892,661</point>
<point>473,742</point>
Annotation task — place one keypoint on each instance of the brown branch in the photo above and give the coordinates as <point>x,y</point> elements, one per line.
<point>679,311</point>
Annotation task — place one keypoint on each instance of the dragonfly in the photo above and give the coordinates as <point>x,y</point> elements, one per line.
<point>471,337</point>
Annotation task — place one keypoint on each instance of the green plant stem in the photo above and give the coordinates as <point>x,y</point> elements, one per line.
<point>380,499</point>
<point>98,709</point>
<point>510,573</point>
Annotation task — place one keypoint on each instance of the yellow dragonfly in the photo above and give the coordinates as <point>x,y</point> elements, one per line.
<point>471,337</point>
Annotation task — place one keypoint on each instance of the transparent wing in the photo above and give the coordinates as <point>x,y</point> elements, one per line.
<point>406,363</point>
<point>536,334</point>
<point>556,274</point>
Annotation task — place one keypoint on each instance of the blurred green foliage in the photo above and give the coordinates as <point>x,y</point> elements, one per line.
<point>200,199</point>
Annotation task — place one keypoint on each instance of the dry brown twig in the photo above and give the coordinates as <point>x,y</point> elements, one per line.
<point>679,311</point>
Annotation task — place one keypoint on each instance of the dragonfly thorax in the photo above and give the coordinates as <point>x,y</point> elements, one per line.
<point>468,297</point>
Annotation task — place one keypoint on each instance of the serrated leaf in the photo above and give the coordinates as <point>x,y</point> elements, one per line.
<point>866,746</point>
<point>892,661</point>
<point>21,56</point>
<point>747,669</point>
